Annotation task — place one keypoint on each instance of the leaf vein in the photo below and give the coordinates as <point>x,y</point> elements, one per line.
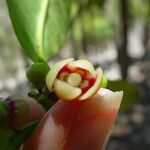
<point>41,26</point>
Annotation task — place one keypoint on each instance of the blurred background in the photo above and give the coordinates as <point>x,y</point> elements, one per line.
<point>113,34</point>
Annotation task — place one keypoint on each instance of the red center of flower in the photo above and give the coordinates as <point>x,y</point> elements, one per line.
<point>87,79</point>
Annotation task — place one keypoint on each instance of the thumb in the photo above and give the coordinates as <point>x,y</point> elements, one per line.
<point>36,111</point>
<point>77,125</point>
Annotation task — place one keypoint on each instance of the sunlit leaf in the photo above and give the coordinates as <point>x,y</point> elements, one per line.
<point>130,92</point>
<point>40,25</point>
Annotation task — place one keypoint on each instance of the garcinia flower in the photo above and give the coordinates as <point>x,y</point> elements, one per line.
<point>71,79</point>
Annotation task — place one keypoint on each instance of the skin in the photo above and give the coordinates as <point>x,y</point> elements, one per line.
<point>76,125</point>
<point>36,110</point>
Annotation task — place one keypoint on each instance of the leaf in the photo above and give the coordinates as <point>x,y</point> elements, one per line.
<point>16,139</point>
<point>130,92</point>
<point>5,136</point>
<point>40,25</point>
<point>20,136</point>
<point>37,74</point>
<point>3,109</point>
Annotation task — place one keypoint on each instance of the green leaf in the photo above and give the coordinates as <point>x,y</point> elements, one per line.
<point>130,92</point>
<point>37,74</point>
<point>5,136</point>
<point>10,140</point>
<point>3,110</point>
<point>40,25</point>
<point>20,136</point>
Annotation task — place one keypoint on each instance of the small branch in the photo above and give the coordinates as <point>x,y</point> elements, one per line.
<point>123,58</point>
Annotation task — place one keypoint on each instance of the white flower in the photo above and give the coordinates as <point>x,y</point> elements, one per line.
<point>74,79</point>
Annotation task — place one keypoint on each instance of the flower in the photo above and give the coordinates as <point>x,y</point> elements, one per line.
<point>71,79</point>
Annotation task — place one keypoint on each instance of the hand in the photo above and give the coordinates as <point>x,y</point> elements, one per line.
<point>77,125</point>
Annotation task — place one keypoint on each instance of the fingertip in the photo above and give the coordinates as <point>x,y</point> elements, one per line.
<point>36,111</point>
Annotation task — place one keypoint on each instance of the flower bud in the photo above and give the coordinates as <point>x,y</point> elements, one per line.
<point>72,80</point>
<point>17,113</point>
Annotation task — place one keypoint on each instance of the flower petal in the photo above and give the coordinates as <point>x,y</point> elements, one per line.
<point>95,87</point>
<point>66,91</point>
<point>52,74</point>
<point>84,64</point>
